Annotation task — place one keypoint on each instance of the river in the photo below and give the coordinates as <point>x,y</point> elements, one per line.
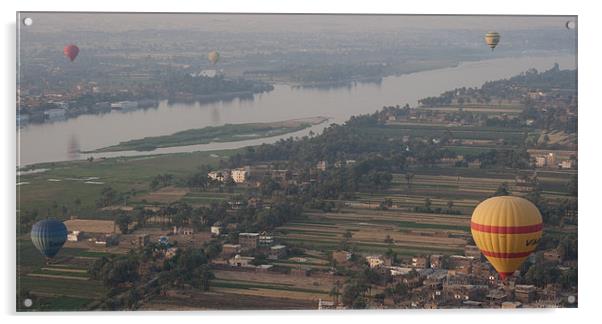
<point>56,141</point>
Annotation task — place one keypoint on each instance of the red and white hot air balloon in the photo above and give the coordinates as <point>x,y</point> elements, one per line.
<point>71,52</point>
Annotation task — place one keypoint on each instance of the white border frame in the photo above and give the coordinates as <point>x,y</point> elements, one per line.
<point>590,111</point>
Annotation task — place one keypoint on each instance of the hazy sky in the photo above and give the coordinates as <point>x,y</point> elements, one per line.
<point>265,23</point>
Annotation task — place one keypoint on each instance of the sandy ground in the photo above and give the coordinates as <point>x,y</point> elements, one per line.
<point>90,226</point>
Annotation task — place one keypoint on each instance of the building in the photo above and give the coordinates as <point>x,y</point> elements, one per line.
<point>57,113</point>
<point>211,73</point>
<point>106,240</point>
<point>511,305</point>
<point>277,252</point>
<point>375,261</point>
<point>231,249</point>
<point>399,271</point>
<point>419,262</point>
<point>248,241</point>
<point>171,252</point>
<point>540,161</point>
<point>216,229</point>
<point>241,261</point>
<point>552,255</point>
<point>326,304</point>
<point>567,164</point>
<point>183,230</point>
<point>461,264</point>
<point>91,226</point>
<point>240,175</point>
<point>265,240</point>
<point>435,279</point>
<point>73,236</point>
<point>436,261</point>
<point>124,105</point>
<point>551,159</point>
<point>472,251</point>
<point>220,176</point>
<point>142,240</point>
<point>322,165</point>
<point>524,293</point>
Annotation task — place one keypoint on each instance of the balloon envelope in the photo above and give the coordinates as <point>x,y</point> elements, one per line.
<point>213,57</point>
<point>48,236</point>
<point>71,51</point>
<point>506,229</point>
<point>492,39</point>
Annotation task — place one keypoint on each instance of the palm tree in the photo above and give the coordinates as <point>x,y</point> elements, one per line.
<point>335,293</point>
<point>450,205</point>
<point>409,176</point>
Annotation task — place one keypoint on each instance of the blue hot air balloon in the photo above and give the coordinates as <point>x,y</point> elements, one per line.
<point>48,236</point>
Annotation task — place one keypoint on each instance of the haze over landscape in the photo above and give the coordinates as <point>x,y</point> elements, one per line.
<point>247,161</point>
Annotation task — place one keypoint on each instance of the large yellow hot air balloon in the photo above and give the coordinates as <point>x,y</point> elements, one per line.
<point>506,229</point>
<point>213,57</point>
<point>492,39</point>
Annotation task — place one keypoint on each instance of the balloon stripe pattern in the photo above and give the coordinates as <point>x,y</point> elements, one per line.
<point>48,236</point>
<point>492,39</point>
<point>506,229</point>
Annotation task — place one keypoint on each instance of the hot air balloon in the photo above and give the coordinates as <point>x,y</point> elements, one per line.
<point>213,57</point>
<point>71,51</point>
<point>48,236</point>
<point>506,229</point>
<point>492,38</point>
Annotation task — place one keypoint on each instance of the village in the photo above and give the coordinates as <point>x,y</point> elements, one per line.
<point>374,213</point>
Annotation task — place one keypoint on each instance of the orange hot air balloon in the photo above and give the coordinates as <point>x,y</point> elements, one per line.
<point>213,57</point>
<point>506,229</point>
<point>71,51</point>
<point>492,39</point>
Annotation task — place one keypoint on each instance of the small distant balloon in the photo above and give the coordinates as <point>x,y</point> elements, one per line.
<point>492,39</point>
<point>48,236</point>
<point>570,24</point>
<point>213,57</point>
<point>71,52</point>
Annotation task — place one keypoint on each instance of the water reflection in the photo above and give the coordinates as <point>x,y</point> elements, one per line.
<point>46,142</point>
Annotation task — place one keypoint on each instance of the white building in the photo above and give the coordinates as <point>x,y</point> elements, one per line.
<point>209,73</point>
<point>566,164</point>
<point>399,271</point>
<point>73,236</point>
<point>375,261</point>
<point>216,229</point>
<point>240,175</point>
<point>124,105</point>
<point>322,165</point>
<point>241,261</point>
<point>220,176</point>
<point>540,161</point>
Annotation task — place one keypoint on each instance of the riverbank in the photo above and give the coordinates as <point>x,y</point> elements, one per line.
<point>52,142</point>
<point>219,134</point>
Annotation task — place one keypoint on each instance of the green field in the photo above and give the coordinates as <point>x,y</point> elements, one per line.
<point>122,174</point>
<point>224,133</point>
<point>458,132</point>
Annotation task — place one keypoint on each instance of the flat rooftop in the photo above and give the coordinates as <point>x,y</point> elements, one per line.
<point>90,226</point>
